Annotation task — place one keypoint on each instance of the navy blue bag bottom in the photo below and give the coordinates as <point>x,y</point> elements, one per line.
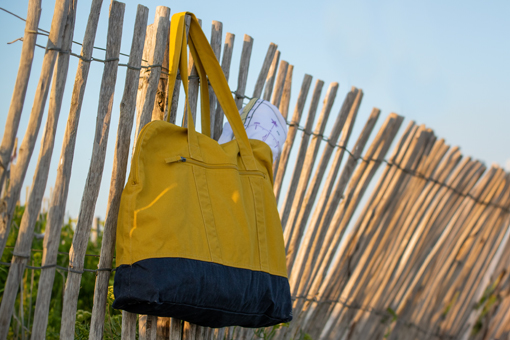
<point>203,293</point>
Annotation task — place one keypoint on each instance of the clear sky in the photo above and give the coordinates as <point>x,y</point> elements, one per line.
<point>445,64</point>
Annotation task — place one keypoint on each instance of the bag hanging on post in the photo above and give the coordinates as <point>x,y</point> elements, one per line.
<point>199,236</point>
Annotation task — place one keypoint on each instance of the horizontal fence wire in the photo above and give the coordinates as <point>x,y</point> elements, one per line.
<point>56,265</point>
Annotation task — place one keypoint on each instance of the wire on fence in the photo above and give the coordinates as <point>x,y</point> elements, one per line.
<point>55,265</point>
<point>46,33</point>
<point>64,268</point>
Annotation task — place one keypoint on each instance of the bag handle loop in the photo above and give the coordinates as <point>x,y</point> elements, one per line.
<point>207,65</point>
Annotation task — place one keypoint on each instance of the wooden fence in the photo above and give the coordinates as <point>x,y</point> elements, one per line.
<point>425,256</point>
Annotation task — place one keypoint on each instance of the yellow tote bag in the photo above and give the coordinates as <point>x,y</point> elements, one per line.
<point>199,236</point>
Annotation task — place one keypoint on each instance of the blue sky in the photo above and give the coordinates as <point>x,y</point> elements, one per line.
<point>444,64</point>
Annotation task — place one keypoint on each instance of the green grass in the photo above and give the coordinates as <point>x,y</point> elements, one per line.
<point>31,282</point>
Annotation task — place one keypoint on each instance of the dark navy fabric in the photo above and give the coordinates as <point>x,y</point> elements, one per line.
<point>203,293</point>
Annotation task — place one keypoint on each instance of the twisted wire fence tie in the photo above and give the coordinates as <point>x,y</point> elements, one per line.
<point>23,256</point>
<point>239,95</point>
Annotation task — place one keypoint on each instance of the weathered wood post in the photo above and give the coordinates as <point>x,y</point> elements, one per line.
<point>127,112</point>
<point>20,88</point>
<point>88,204</point>
<point>59,196</point>
<point>19,171</point>
<point>21,252</point>
<point>244,66</point>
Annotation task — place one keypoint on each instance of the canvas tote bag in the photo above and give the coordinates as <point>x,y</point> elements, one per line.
<point>199,236</point>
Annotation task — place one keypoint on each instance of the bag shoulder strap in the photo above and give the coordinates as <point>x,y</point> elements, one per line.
<point>208,69</point>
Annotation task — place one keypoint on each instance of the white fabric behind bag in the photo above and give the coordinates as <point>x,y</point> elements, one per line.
<point>263,122</point>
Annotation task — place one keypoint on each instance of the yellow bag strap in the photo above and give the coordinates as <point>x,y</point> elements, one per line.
<point>179,59</point>
<point>248,108</point>
<point>207,65</point>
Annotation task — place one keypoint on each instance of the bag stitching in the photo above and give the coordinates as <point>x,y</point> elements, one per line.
<point>202,212</point>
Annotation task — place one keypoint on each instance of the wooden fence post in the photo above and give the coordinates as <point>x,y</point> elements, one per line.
<point>20,88</point>
<point>271,76</point>
<point>23,246</point>
<point>303,145</point>
<point>295,195</point>
<point>216,33</point>
<point>18,172</point>
<point>313,240</point>
<point>193,87</point>
<point>259,85</point>
<point>244,66</point>
<point>283,87</point>
<point>19,260</point>
<point>160,33</point>
<point>127,111</point>
<point>228,48</point>
<point>81,236</point>
<point>280,83</point>
<point>287,87</point>
<point>349,110</point>
<point>59,196</point>
<point>291,135</point>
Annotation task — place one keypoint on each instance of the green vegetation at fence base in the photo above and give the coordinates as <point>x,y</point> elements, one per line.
<point>23,319</point>
<point>489,302</point>
<point>112,322</point>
